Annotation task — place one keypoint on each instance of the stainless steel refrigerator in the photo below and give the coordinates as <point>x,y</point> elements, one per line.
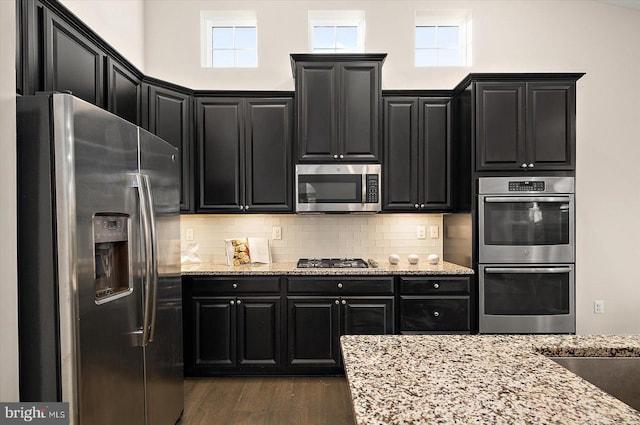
<point>100,315</point>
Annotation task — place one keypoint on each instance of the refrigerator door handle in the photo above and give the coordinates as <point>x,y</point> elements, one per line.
<point>140,182</point>
<point>153,295</point>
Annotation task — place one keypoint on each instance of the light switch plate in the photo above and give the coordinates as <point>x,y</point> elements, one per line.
<point>434,232</point>
<point>189,234</point>
<point>276,233</point>
<point>420,232</point>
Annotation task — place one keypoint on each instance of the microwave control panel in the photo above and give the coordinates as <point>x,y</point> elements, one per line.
<point>527,186</point>
<point>372,188</point>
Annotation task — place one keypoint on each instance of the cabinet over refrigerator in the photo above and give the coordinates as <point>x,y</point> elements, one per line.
<point>100,313</point>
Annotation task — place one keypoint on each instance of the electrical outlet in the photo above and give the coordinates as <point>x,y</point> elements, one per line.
<point>189,235</point>
<point>276,233</point>
<point>598,306</point>
<point>420,232</point>
<point>434,232</point>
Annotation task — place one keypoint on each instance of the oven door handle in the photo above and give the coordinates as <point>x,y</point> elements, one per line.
<point>527,199</point>
<point>528,270</point>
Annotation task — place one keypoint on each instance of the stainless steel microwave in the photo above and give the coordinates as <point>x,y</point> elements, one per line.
<point>338,188</point>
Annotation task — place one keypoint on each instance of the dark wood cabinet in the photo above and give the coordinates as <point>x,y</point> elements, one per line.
<point>417,154</point>
<point>338,107</point>
<point>525,125</point>
<point>232,324</point>
<point>244,152</point>
<point>435,305</point>
<point>316,322</point>
<point>71,62</point>
<point>169,117</point>
<point>124,91</point>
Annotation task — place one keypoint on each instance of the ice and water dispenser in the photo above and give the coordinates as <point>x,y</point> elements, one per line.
<point>111,239</point>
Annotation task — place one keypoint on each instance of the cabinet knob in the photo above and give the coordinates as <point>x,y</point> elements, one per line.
<point>235,285</point>
<point>523,166</point>
<point>417,206</point>
<point>246,207</point>
<point>344,302</point>
<point>232,302</point>
<point>337,301</point>
<point>436,314</point>
<point>239,301</point>
<point>241,207</point>
<point>341,156</point>
<point>339,284</point>
<point>436,285</point>
<point>531,165</point>
<point>421,205</point>
<point>335,156</point>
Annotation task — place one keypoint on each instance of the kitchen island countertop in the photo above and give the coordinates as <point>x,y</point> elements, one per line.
<point>289,268</point>
<point>480,379</point>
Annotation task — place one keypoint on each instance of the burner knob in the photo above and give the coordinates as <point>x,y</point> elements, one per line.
<point>339,284</point>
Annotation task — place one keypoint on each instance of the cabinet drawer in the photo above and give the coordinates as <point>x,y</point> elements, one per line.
<point>434,285</point>
<point>227,285</point>
<point>434,314</point>
<point>337,285</point>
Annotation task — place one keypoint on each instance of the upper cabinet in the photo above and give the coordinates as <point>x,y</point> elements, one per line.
<point>244,154</point>
<point>169,117</point>
<point>124,90</point>
<point>339,106</point>
<point>417,154</point>
<point>526,124</point>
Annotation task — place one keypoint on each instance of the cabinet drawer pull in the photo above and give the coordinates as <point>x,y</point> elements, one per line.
<point>531,165</point>
<point>523,166</point>
<point>335,156</point>
<point>339,284</point>
<point>232,302</point>
<point>416,206</point>
<point>344,302</point>
<point>242,207</point>
<point>436,313</point>
<point>436,285</point>
<point>341,156</point>
<point>239,302</point>
<point>421,205</point>
<point>235,286</point>
<point>337,301</point>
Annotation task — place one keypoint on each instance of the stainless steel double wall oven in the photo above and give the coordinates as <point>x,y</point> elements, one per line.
<point>526,250</point>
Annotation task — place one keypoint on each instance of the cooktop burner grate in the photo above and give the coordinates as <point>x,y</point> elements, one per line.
<point>332,263</point>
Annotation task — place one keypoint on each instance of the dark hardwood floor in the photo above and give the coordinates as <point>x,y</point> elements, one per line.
<point>277,400</point>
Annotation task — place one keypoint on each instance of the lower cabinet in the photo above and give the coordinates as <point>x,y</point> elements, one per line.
<point>293,324</point>
<point>315,325</point>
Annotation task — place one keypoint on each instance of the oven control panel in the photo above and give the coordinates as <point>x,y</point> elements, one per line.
<point>527,186</point>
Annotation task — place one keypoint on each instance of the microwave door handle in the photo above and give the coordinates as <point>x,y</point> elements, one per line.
<point>521,270</point>
<point>498,199</point>
<point>364,188</point>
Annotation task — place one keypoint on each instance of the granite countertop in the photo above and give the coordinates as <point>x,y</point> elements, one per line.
<point>480,379</point>
<point>289,268</point>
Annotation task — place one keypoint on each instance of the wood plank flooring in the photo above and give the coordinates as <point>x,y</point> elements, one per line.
<point>278,400</point>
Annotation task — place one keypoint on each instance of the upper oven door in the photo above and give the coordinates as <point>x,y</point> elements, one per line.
<point>526,228</point>
<point>337,188</point>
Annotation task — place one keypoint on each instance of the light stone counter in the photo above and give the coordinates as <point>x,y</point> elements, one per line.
<point>384,268</point>
<point>480,379</point>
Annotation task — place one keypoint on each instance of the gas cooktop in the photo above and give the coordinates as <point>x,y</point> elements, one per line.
<point>332,263</point>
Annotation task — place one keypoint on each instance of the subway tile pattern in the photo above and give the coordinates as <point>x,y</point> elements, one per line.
<point>316,236</point>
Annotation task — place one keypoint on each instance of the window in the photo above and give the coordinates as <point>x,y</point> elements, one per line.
<point>229,39</point>
<point>336,31</point>
<point>443,38</point>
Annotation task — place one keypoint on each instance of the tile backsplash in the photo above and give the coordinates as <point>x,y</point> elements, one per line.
<point>312,236</point>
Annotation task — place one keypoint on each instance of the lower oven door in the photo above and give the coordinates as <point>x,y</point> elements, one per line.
<point>527,298</point>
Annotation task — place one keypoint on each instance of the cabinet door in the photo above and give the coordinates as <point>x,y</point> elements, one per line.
<point>368,315</point>
<point>214,332</point>
<point>551,134</point>
<point>259,331</point>
<point>400,154</point>
<point>500,125</point>
<point>269,133</point>
<point>317,107</point>
<point>169,118</point>
<point>313,331</point>
<point>123,92</point>
<point>220,154</point>
<point>435,154</point>
<point>434,314</point>
<point>359,121</point>
<point>72,62</point>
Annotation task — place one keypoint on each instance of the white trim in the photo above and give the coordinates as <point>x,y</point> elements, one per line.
<point>338,18</point>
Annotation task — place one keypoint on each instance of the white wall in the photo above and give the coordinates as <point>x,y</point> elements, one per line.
<point>119,22</point>
<point>8,248</point>
<point>508,36</point>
